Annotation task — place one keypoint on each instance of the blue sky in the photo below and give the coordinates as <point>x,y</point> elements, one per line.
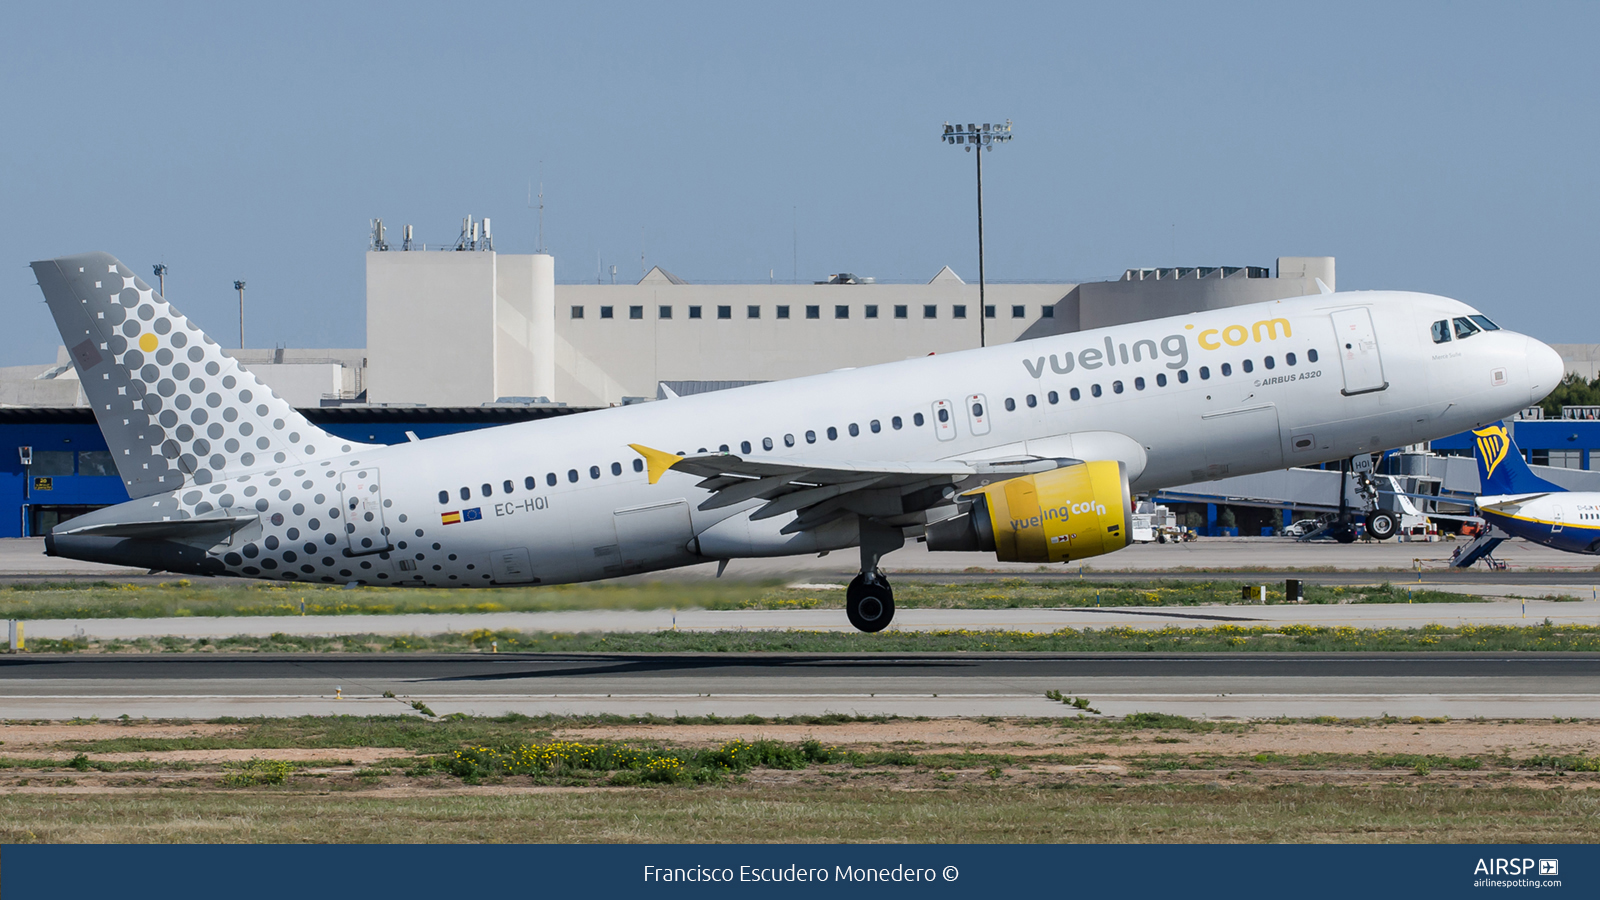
<point>1447,148</point>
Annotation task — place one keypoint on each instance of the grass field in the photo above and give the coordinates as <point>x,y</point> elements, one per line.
<point>1149,778</point>
<point>104,599</point>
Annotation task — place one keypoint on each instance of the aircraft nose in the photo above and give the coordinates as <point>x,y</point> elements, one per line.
<point>1545,369</point>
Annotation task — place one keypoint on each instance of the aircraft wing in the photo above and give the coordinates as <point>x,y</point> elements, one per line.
<point>1507,503</point>
<point>824,490</point>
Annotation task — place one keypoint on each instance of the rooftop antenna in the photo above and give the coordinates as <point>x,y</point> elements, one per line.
<point>161,273</point>
<point>541,248</point>
<point>376,241</point>
<point>642,270</point>
<point>405,244</point>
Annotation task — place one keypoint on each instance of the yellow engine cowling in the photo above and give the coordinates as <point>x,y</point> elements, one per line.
<point>1069,513</point>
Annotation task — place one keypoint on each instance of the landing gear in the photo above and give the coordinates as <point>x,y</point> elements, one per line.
<point>1344,532</point>
<point>869,602</point>
<point>1381,524</point>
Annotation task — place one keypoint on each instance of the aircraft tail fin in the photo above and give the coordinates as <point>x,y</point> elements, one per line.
<point>1501,469</point>
<point>175,409</point>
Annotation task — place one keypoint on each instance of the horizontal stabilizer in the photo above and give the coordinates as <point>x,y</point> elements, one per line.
<point>175,529</point>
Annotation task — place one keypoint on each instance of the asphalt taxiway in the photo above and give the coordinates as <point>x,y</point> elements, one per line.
<point>1243,685</point>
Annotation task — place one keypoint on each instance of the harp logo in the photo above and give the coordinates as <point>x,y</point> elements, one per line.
<point>1492,445</point>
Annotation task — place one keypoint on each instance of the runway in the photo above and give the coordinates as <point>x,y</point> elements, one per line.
<point>1493,685</point>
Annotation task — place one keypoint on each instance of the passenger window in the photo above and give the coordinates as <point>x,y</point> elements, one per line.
<point>788,440</point>
<point>811,437</point>
<point>444,496</point>
<point>723,449</point>
<point>1487,326</point>
<point>1227,369</point>
<point>1441,331</point>
<point>1011,405</point>
<point>1249,366</point>
<point>1289,358</point>
<point>638,465</point>
<point>1161,379</point>
<point>1074,394</point>
<point>895,423</point>
<point>1205,373</point>
<point>1183,376</point>
<point>833,433</point>
<point>466,493</point>
<point>1269,363</point>
<point>508,487</point>
<point>944,414</point>
<point>1311,355</point>
<point>572,475</point>
<point>766,443</point>
<point>594,471</point>
<point>486,489</point>
<point>1094,390</point>
<point>1465,328</point>
<point>744,446</point>
<point>616,468</point>
<point>917,420</point>
<point>529,483</point>
<point>876,426</point>
<point>855,430</point>
<point>1032,401</point>
<point>1053,397</point>
<point>1138,383</point>
<point>1116,387</point>
<point>550,479</point>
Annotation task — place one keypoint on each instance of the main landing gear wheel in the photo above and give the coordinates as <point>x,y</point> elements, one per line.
<point>869,602</point>
<point>1382,525</point>
<point>1344,532</point>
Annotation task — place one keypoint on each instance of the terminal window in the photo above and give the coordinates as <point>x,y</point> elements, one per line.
<point>635,312</point>
<point>783,312</point>
<point>841,312</point>
<point>694,312</point>
<point>605,312</point>
<point>870,312</point>
<point>988,311</point>
<point>577,312</point>
<point>930,311</point>
<point>51,462</point>
<point>959,311</point>
<point>899,311</point>
<point>664,312</point>
<point>96,462</point>
<point>724,312</point>
<point>813,312</point>
<point>752,312</point>
<point>1019,312</point>
<point>1047,312</point>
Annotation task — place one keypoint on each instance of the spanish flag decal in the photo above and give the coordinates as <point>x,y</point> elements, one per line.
<point>1492,445</point>
<point>449,518</point>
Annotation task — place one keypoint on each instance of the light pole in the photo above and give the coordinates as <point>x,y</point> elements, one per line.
<point>239,286</point>
<point>160,270</point>
<point>983,137</point>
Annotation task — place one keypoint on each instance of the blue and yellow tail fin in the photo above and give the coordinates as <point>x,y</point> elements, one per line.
<point>1501,469</point>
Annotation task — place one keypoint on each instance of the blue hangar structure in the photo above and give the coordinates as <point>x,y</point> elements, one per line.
<point>55,464</point>
<point>58,466</point>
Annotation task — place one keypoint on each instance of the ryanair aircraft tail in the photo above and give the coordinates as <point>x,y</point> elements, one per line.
<point>1501,469</point>
<point>176,410</point>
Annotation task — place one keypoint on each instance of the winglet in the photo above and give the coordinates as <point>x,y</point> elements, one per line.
<point>658,461</point>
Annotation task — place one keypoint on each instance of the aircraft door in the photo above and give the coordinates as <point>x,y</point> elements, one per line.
<point>977,413</point>
<point>944,421</point>
<point>1358,351</point>
<point>1556,520</point>
<point>363,512</point>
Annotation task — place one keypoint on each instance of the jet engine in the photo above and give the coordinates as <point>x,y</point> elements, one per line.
<point>1074,512</point>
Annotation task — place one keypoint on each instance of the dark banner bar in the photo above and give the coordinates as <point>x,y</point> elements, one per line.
<point>432,871</point>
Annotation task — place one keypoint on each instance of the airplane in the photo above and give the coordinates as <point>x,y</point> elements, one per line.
<point>1521,504</point>
<point>1032,450</point>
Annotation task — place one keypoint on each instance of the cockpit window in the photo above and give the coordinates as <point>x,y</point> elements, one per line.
<point>1465,328</point>
<point>1441,331</point>
<point>1484,321</point>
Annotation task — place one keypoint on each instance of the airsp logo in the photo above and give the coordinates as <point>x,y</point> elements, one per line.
<point>1502,866</point>
<point>1549,867</point>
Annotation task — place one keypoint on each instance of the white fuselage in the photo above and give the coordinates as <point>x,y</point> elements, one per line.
<point>1184,399</point>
